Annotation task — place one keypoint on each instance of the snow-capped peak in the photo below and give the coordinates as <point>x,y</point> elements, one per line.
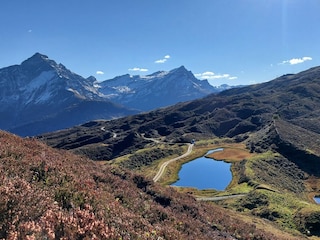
<point>158,89</point>
<point>40,80</point>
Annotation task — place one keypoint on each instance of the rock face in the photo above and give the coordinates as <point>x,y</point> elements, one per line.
<point>40,95</point>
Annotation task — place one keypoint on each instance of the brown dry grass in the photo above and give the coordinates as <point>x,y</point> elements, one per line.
<point>313,187</point>
<point>232,154</point>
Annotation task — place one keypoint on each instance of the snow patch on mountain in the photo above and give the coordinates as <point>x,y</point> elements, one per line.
<point>43,79</point>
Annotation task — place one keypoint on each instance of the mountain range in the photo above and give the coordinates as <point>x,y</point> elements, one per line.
<point>157,90</point>
<point>40,95</point>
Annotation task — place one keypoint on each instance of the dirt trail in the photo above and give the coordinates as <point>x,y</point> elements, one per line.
<point>165,164</point>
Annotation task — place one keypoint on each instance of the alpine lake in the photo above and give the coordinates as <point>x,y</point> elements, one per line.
<point>205,173</point>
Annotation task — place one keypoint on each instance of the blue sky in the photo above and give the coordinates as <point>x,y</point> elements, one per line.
<point>226,41</point>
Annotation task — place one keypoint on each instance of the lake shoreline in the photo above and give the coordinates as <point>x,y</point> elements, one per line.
<point>205,173</point>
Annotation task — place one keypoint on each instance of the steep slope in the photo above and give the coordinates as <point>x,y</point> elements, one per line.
<point>51,194</point>
<point>40,95</point>
<point>157,90</point>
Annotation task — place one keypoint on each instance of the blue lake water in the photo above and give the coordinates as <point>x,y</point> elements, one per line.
<point>317,199</point>
<point>205,173</point>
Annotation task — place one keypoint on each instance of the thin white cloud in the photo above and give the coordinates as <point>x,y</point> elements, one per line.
<point>211,76</point>
<point>161,61</point>
<point>207,74</point>
<point>99,72</point>
<point>164,59</point>
<point>294,61</point>
<point>136,69</point>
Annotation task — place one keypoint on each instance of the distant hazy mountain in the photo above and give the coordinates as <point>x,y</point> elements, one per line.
<point>40,95</point>
<point>158,89</point>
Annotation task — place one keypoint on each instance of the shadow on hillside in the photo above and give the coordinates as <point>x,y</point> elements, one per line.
<point>307,162</point>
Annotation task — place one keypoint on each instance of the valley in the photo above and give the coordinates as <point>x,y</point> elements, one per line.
<point>269,134</point>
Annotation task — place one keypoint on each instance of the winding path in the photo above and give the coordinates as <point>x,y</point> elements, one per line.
<point>114,135</point>
<point>165,164</point>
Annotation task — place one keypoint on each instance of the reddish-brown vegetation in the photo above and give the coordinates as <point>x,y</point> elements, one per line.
<point>53,194</point>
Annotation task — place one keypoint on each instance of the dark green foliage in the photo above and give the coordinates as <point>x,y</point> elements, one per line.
<point>265,212</point>
<point>254,199</point>
<point>64,198</point>
<point>308,222</point>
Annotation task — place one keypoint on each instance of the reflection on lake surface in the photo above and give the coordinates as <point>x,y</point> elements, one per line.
<point>317,199</point>
<point>205,173</point>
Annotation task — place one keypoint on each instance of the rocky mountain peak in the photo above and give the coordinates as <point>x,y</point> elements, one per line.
<point>37,59</point>
<point>183,74</point>
<point>91,79</point>
<point>180,69</point>
<point>38,63</point>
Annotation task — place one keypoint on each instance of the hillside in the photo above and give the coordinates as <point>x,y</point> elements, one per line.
<point>234,113</point>
<point>53,194</point>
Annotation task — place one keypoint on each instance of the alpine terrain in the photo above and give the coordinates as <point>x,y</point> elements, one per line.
<point>40,95</point>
